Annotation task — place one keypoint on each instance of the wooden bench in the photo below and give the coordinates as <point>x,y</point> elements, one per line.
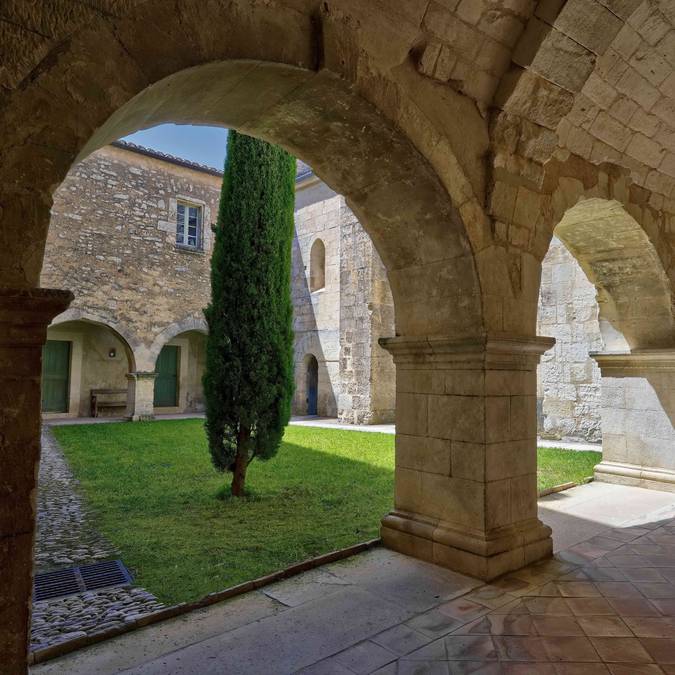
<point>107,398</point>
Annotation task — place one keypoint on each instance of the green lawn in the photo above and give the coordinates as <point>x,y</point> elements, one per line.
<point>153,490</point>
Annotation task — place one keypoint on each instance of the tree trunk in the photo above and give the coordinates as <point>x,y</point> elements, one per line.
<point>240,462</point>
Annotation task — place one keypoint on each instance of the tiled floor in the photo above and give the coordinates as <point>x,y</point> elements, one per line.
<point>602,605</point>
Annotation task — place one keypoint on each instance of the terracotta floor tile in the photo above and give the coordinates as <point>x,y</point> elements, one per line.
<point>617,589</point>
<point>550,590</point>
<point>627,560</point>
<point>651,627</point>
<point>521,648</point>
<point>557,625</point>
<point>578,589</point>
<point>593,573</point>
<point>589,606</point>
<point>512,608</point>
<point>665,607</point>
<point>656,591</point>
<point>627,534</point>
<point>470,648</point>
<point>475,668</point>
<point>604,626</point>
<point>515,586</point>
<point>581,669</point>
<point>633,607</point>
<point>643,574</point>
<point>512,668</point>
<point>621,650</point>
<point>576,649</point>
<point>663,560</point>
<point>576,557</point>
<point>635,669</point>
<point>552,606</point>
<point>500,624</point>
<point>490,596</point>
<point>662,650</point>
<point>667,573</point>
<point>462,609</point>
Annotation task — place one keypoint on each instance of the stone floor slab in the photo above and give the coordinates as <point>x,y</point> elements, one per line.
<point>558,617</point>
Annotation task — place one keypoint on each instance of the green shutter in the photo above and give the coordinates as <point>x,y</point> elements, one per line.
<point>55,376</point>
<point>166,382</point>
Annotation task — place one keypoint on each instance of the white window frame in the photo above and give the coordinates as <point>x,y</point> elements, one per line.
<point>199,238</point>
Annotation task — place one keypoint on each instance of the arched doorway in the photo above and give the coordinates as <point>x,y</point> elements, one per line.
<point>312,385</point>
<point>85,367</point>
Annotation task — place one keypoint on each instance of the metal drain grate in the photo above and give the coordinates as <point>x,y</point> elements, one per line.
<point>79,579</point>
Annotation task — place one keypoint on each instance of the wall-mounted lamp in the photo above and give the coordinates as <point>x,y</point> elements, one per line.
<point>112,352</point>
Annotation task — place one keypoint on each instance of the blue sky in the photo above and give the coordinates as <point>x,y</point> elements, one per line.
<point>205,145</point>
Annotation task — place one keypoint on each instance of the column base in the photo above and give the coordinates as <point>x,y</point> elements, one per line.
<point>635,475</point>
<point>476,554</point>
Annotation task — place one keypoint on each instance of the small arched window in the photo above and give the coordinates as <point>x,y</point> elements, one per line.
<point>317,266</point>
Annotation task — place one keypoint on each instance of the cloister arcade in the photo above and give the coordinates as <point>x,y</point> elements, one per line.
<point>462,134</point>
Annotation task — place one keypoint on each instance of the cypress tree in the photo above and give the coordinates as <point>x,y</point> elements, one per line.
<point>248,381</point>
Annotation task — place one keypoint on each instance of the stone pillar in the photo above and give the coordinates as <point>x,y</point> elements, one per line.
<point>638,411</point>
<point>466,455</point>
<point>141,395</point>
<point>24,317</point>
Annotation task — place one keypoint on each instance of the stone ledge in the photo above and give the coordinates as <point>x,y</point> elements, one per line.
<point>635,475</point>
<point>635,363</point>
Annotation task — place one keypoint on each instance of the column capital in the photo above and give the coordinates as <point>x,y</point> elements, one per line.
<point>635,363</point>
<point>25,314</point>
<point>494,350</point>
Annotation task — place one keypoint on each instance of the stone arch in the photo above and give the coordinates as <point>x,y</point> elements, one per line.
<point>148,356</point>
<point>633,290</point>
<point>251,83</point>
<point>132,345</point>
<point>317,265</point>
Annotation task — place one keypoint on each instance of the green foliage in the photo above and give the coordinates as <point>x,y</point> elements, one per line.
<point>248,381</point>
<point>152,490</point>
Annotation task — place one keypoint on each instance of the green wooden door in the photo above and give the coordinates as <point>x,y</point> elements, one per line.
<point>55,376</point>
<point>166,382</point>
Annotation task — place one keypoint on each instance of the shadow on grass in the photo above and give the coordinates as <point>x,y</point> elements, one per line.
<point>156,502</point>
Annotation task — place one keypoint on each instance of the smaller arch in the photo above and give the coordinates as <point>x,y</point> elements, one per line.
<point>617,256</point>
<point>317,266</point>
<point>131,344</point>
<point>195,323</point>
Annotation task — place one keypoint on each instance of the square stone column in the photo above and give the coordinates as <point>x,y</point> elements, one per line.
<point>141,396</point>
<point>638,412</point>
<point>466,453</point>
<point>24,317</point>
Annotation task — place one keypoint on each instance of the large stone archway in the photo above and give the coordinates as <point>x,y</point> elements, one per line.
<point>390,106</point>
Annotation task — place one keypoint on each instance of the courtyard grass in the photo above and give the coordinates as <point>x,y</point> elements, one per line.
<point>153,491</point>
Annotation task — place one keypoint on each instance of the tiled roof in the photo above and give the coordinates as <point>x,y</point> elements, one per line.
<point>303,170</point>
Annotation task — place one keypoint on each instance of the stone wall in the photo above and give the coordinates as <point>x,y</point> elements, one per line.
<point>316,314</point>
<point>112,240</point>
<point>568,382</point>
<point>367,372</point>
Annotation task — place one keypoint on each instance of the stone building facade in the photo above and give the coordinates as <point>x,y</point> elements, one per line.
<point>568,378</point>
<point>131,236</point>
<point>113,235</point>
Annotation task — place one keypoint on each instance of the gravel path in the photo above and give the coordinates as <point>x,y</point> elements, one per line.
<point>66,536</point>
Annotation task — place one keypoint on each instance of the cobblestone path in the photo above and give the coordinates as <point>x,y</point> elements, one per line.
<point>66,536</point>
